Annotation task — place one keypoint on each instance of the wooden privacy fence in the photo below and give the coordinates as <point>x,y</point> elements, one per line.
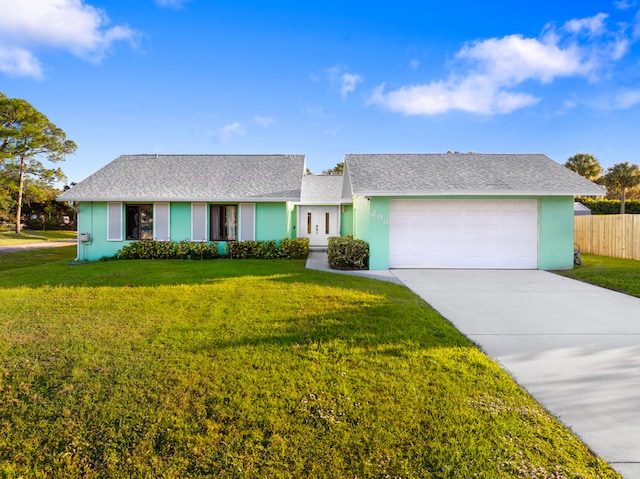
<point>609,235</point>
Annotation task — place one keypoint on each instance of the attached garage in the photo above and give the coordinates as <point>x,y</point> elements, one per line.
<point>463,233</point>
<point>464,210</point>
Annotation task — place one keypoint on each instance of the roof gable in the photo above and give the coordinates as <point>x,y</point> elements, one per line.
<point>463,174</point>
<point>321,189</point>
<point>246,178</point>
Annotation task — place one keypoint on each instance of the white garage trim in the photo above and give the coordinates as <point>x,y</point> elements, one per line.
<point>444,233</point>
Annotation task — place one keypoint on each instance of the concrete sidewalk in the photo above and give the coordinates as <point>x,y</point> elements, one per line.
<point>39,245</point>
<point>575,347</point>
<point>317,259</point>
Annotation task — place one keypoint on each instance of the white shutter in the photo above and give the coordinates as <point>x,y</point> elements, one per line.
<point>199,222</point>
<point>247,221</point>
<point>114,221</point>
<point>161,223</point>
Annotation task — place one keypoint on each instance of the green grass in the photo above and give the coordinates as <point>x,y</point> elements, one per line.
<point>614,273</point>
<point>9,238</point>
<point>253,369</point>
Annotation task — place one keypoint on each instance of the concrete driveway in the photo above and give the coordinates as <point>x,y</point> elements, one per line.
<point>573,346</point>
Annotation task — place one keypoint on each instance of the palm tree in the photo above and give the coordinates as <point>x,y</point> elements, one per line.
<point>585,165</point>
<point>620,178</point>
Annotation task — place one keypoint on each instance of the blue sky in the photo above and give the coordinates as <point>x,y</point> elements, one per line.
<point>325,78</point>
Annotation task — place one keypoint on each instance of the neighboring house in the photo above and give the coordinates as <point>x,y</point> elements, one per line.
<point>197,197</point>
<point>414,210</point>
<point>464,210</point>
<point>580,210</point>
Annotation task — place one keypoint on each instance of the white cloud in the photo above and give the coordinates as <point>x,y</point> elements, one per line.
<point>69,25</point>
<point>414,64</point>
<point>19,62</point>
<point>593,25</point>
<point>346,81</point>
<point>627,99</point>
<point>494,68</point>
<point>473,95</point>
<point>514,59</point>
<point>227,132</point>
<point>264,121</point>
<point>175,4</point>
<point>624,4</point>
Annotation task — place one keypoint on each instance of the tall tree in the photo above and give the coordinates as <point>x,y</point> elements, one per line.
<point>620,178</point>
<point>336,170</point>
<point>585,165</point>
<point>26,137</point>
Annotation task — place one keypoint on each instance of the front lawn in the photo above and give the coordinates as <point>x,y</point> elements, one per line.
<point>253,369</point>
<point>614,273</point>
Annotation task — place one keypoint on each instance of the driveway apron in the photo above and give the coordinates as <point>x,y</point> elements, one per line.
<point>575,347</point>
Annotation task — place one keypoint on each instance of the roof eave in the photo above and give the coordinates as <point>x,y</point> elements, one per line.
<point>318,203</point>
<point>505,193</point>
<point>180,200</point>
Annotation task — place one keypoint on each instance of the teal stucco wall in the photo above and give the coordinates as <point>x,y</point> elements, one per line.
<point>272,222</point>
<point>378,233</point>
<point>361,208</point>
<point>555,233</point>
<point>371,224</point>
<point>180,221</point>
<point>92,219</point>
<point>555,229</point>
<point>346,220</point>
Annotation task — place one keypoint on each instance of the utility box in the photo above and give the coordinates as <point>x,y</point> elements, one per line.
<point>84,237</point>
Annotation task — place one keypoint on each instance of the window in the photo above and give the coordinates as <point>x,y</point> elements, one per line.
<point>224,223</point>
<point>139,222</point>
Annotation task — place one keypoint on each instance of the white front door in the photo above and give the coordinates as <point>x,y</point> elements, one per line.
<point>317,223</point>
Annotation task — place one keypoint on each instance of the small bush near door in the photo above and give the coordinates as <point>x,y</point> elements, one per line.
<point>348,253</point>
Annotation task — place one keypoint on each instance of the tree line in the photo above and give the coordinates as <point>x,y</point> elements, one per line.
<point>622,180</point>
<point>27,185</point>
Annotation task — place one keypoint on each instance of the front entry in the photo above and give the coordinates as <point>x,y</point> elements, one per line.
<point>317,223</point>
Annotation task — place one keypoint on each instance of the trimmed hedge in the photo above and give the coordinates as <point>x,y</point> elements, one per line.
<point>290,249</point>
<point>603,206</point>
<point>348,253</point>
<point>170,250</point>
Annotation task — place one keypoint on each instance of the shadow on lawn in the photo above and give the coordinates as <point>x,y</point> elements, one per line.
<point>56,268</point>
<point>391,314</point>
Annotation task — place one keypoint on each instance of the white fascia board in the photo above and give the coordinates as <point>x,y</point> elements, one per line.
<point>318,203</point>
<point>480,193</point>
<point>179,200</point>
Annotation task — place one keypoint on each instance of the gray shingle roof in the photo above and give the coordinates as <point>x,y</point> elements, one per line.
<point>321,189</point>
<point>463,174</point>
<point>193,178</point>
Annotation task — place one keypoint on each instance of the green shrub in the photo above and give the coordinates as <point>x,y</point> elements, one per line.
<point>169,250</point>
<point>348,253</point>
<point>603,206</point>
<point>244,249</point>
<point>297,248</point>
<point>292,249</point>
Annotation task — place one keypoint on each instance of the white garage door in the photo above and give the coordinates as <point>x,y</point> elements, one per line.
<point>463,234</point>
